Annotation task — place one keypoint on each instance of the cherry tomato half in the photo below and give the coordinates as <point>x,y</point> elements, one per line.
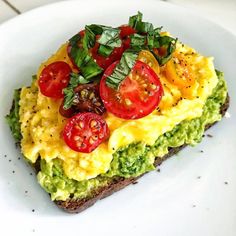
<point>85,131</point>
<point>138,94</point>
<point>54,78</point>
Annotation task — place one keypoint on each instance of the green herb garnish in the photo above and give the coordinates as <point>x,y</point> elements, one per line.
<point>133,20</point>
<point>89,38</point>
<point>169,44</point>
<point>88,67</point>
<point>110,37</point>
<point>122,69</point>
<point>137,41</point>
<point>137,23</point>
<point>105,50</point>
<point>149,38</point>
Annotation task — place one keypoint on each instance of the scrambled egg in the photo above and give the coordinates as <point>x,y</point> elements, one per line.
<point>41,123</point>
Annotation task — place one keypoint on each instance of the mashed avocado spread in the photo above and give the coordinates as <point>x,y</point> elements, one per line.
<point>130,161</point>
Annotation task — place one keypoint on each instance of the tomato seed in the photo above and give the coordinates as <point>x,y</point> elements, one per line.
<point>93,123</point>
<point>128,102</point>
<point>91,141</point>
<point>77,138</point>
<point>153,86</point>
<point>92,95</point>
<point>80,125</point>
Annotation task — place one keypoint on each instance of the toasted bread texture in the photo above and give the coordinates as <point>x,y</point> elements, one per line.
<point>118,183</point>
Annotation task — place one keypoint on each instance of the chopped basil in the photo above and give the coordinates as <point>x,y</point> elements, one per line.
<point>149,38</point>
<point>152,38</point>
<point>140,26</point>
<point>105,50</point>
<point>89,38</point>
<point>169,44</point>
<point>75,80</point>
<point>97,29</point>
<point>143,27</point>
<point>79,55</point>
<point>110,37</point>
<point>133,20</point>
<point>108,40</point>
<point>122,69</point>
<point>137,40</point>
<point>74,40</point>
<point>90,69</point>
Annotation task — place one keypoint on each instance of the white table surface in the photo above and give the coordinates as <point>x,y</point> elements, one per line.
<point>222,12</point>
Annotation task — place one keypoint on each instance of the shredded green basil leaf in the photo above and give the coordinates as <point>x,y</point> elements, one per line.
<point>110,37</point>
<point>97,29</point>
<point>122,69</point>
<point>88,67</point>
<point>79,55</point>
<point>140,26</point>
<point>143,27</point>
<point>137,40</point>
<point>153,38</point>
<point>108,40</point>
<point>105,50</point>
<point>170,44</point>
<point>89,38</point>
<point>133,20</point>
<point>74,40</point>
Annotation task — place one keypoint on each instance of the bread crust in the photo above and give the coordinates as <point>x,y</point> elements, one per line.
<point>118,183</point>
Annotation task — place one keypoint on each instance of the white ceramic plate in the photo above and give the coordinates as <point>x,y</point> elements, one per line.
<point>175,201</point>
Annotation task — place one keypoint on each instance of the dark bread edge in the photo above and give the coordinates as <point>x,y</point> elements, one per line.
<point>76,206</point>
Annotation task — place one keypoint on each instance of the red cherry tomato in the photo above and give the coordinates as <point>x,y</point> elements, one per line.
<point>85,131</point>
<point>54,78</point>
<point>138,94</point>
<point>125,32</point>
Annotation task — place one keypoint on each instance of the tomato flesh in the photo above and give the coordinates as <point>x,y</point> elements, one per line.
<point>125,32</point>
<point>138,94</point>
<point>54,78</point>
<point>104,62</point>
<point>85,131</point>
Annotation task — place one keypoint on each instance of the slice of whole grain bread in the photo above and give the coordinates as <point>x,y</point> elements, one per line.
<point>118,183</point>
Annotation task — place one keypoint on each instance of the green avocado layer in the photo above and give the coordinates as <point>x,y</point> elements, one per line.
<point>13,117</point>
<point>134,159</point>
